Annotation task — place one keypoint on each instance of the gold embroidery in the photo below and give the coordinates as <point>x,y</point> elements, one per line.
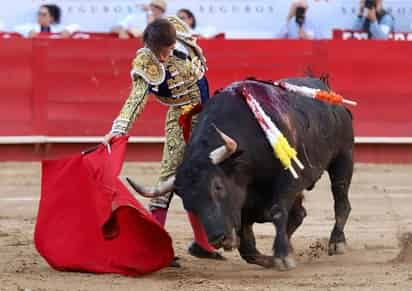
<point>148,67</point>
<point>185,36</point>
<point>173,151</point>
<point>173,70</point>
<point>180,26</point>
<point>132,107</point>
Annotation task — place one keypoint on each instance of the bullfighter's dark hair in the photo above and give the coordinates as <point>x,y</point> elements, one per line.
<point>55,12</point>
<point>159,34</point>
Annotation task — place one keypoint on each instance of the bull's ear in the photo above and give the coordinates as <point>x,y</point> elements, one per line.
<point>232,162</point>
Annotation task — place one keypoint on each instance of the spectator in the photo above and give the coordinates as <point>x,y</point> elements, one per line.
<point>133,25</point>
<point>297,25</point>
<point>48,20</point>
<point>373,19</point>
<point>188,17</point>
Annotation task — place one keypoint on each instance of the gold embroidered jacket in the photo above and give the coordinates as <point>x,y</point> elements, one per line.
<point>174,83</point>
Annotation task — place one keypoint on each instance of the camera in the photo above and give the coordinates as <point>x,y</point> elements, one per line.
<point>300,15</point>
<point>370,4</point>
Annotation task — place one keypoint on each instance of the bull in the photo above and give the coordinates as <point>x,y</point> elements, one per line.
<point>231,179</point>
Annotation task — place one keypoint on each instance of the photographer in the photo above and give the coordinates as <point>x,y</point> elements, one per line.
<point>374,19</point>
<point>297,25</point>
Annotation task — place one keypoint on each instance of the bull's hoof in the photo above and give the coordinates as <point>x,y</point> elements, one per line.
<point>262,260</point>
<point>285,264</point>
<point>336,248</point>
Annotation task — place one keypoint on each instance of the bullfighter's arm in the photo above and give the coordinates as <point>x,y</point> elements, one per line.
<point>132,107</point>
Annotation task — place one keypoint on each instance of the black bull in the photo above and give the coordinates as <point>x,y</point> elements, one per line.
<point>248,184</point>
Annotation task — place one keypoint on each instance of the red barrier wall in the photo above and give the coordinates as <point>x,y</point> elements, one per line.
<point>76,87</point>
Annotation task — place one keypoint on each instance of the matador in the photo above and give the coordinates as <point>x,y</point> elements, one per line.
<point>172,67</point>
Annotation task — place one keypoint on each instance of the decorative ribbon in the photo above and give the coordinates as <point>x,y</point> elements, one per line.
<point>330,97</point>
<point>185,119</point>
<point>281,147</point>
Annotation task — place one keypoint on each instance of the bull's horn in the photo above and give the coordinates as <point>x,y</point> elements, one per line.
<point>225,151</point>
<point>152,192</point>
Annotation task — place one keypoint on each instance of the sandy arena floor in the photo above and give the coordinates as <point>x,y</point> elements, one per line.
<point>381,199</point>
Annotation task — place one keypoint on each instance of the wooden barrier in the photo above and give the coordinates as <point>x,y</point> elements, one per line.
<point>66,92</point>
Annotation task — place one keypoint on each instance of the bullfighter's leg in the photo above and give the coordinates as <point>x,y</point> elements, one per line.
<point>247,248</point>
<point>283,260</point>
<point>172,157</point>
<point>296,215</point>
<point>340,173</point>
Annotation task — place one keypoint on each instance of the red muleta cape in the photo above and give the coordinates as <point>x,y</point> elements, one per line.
<point>88,220</point>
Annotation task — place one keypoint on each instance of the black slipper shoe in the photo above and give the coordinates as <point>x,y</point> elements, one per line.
<point>197,251</point>
<point>175,263</point>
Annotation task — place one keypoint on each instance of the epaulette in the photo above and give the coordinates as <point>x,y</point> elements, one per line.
<point>183,33</point>
<point>147,66</point>
<point>180,26</point>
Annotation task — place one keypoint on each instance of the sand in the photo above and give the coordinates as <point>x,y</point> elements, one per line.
<point>378,232</point>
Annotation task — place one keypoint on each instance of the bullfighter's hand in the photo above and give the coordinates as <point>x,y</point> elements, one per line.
<point>108,137</point>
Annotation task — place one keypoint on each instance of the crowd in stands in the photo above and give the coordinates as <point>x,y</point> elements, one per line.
<point>372,18</point>
<point>48,21</point>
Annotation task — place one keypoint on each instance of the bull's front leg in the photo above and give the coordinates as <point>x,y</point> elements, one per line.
<point>283,259</point>
<point>247,248</point>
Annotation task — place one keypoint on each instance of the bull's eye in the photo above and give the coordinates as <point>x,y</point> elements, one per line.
<point>217,189</point>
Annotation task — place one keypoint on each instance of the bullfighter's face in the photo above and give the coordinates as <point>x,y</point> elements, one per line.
<point>164,53</point>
